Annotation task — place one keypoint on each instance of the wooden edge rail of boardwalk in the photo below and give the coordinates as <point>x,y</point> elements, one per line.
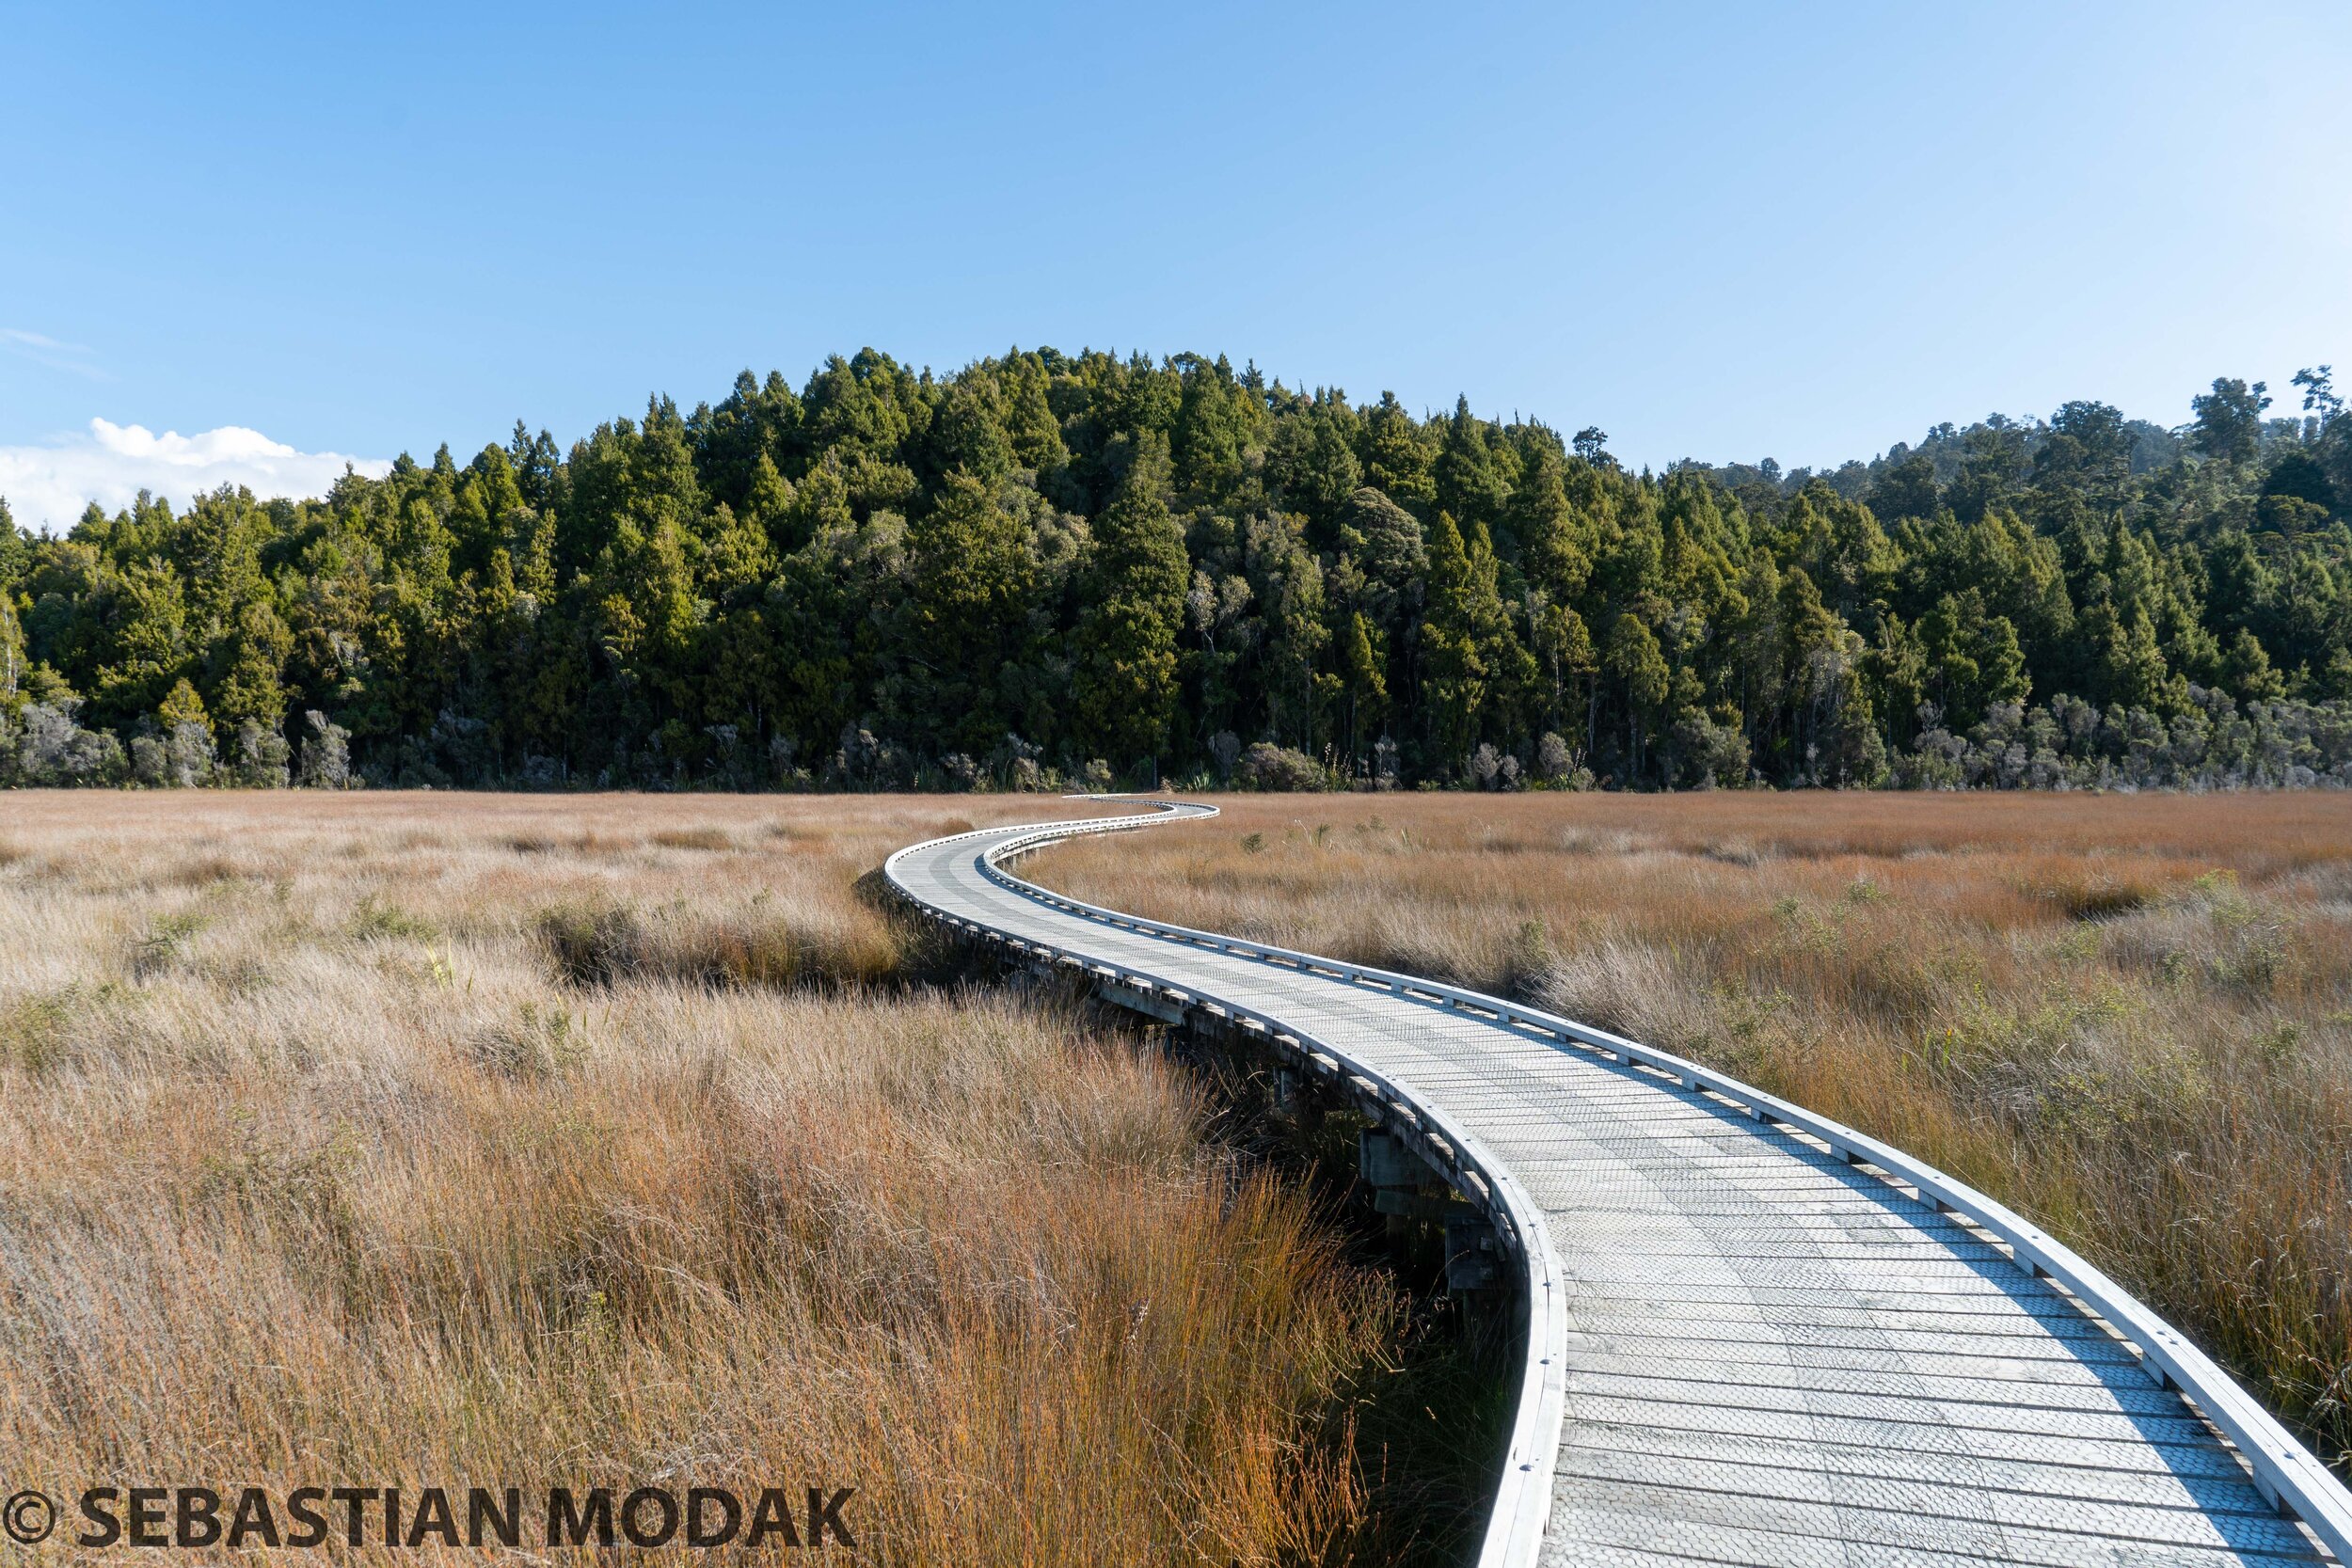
<point>1753,1335</point>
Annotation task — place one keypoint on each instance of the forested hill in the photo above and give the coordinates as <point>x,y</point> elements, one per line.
<point>1048,569</point>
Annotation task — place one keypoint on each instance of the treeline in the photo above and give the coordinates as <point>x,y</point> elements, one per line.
<point>1048,569</point>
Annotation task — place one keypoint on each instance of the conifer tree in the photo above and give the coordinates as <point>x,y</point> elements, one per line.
<point>1363,666</point>
<point>972,578</point>
<point>1454,677</point>
<point>1125,676</point>
<point>1634,658</point>
<point>11,651</point>
<point>1398,457</point>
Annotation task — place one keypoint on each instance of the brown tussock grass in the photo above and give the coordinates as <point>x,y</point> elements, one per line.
<point>2129,1017</point>
<point>322,1162</point>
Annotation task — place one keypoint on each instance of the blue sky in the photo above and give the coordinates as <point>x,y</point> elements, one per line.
<point>1725,231</point>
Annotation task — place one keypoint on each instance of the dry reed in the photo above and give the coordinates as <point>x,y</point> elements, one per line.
<point>520,1141</point>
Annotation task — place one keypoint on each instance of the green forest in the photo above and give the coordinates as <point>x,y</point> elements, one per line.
<point>1048,571</point>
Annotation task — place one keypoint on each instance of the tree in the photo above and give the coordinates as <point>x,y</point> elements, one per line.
<point>15,549</point>
<point>2129,665</point>
<point>2246,671</point>
<point>1363,668</point>
<point>247,666</point>
<point>11,652</point>
<point>1556,539</point>
<point>1454,678</point>
<point>181,705</point>
<point>972,582</point>
<point>1288,583</point>
<point>1312,469</point>
<point>1213,424</point>
<point>2319,393</point>
<point>1841,547</point>
<point>1398,461</point>
<point>1125,676</point>
<point>1030,425</point>
<point>2229,422</point>
<point>1393,555</point>
<point>1464,476</point>
<point>1473,664</point>
<point>2087,445</point>
<point>968,434</point>
<point>143,646</point>
<point>1634,658</point>
<point>1757,641</point>
<point>1973,659</point>
<point>758,423</point>
<point>1906,489</point>
<point>1563,647</point>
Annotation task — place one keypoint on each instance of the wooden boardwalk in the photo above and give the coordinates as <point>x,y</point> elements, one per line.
<point>1754,1336</point>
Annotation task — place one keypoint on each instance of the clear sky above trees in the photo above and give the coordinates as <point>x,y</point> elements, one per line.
<point>1723,231</point>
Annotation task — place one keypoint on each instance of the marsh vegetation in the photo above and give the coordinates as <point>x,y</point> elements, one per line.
<point>355,1140</point>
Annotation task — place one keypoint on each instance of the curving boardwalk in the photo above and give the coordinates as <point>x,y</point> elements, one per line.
<point>1754,1336</point>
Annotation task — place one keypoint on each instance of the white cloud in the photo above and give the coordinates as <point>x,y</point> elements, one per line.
<point>34,339</point>
<point>47,486</point>
<point>44,350</point>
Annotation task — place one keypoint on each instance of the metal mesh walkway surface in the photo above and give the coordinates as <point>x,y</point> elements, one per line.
<point>1754,1337</point>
